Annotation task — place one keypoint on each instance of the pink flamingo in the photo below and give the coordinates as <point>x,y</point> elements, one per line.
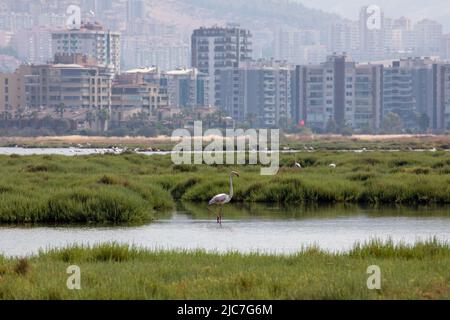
<point>222,199</point>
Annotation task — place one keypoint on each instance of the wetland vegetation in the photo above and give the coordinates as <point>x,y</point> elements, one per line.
<point>131,188</point>
<point>112,271</point>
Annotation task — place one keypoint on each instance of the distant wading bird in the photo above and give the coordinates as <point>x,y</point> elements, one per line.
<point>223,199</point>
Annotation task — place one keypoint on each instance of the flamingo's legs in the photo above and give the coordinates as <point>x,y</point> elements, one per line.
<point>218,216</point>
<point>221,215</point>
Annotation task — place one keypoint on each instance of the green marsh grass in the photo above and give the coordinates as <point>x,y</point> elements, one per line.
<point>112,271</point>
<point>131,188</point>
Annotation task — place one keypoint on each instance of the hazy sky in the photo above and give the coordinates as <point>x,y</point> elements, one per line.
<point>415,9</point>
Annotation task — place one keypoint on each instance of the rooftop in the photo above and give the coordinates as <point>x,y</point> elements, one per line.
<point>181,72</point>
<point>142,70</point>
<point>72,66</point>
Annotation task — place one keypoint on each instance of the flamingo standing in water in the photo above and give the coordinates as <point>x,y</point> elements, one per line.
<point>222,199</point>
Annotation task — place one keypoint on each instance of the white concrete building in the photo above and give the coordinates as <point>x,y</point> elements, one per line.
<point>91,40</point>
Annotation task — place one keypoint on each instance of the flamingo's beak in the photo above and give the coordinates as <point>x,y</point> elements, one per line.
<point>236,173</point>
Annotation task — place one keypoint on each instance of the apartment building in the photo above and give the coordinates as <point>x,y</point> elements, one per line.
<point>414,87</point>
<point>398,92</point>
<point>365,108</point>
<point>33,45</point>
<point>165,52</point>
<point>187,88</point>
<point>400,37</point>
<point>71,85</point>
<point>15,21</point>
<point>135,9</point>
<point>219,48</point>
<point>320,92</point>
<point>337,90</point>
<point>439,109</point>
<point>344,37</point>
<point>269,93</point>
<point>130,99</point>
<point>49,86</point>
<point>428,35</point>
<point>441,116</point>
<point>12,89</point>
<point>91,40</point>
<point>258,92</point>
<point>139,90</point>
<point>298,46</point>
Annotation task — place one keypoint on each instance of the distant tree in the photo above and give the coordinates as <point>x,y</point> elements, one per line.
<point>62,126</point>
<point>103,116</point>
<point>60,108</point>
<point>347,131</point>
<point>331,126</point>
<point>366,128</point>
<point>251,119</point>
<point>34,115</point>
<point>6,115</point>
<point>392,123</point>
<point>219,119</point>
<point>141,117</point>
<point>209,120</point>
<point>283,122</point>
<point>424,122</point>
<point>90,118</point>
<point>19,114</point>
<point>47,121</point>
<point>161,128</point>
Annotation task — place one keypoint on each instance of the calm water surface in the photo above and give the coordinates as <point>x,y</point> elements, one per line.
<point>262,229</point>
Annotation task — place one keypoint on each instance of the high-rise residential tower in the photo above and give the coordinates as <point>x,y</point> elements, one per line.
<point>428,35</point>
<point>338,91</point>
<point>91,40</point>
<point>258,93</point>
<point>135,10</point>
<point>187,88</point>
<point>34,45</point>
<point>219,48</point>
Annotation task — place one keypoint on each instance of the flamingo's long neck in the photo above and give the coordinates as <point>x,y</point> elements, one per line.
<point>231,186</point>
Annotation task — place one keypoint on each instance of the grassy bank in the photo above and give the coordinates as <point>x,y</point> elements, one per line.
<point>131,187</point>
<point>51,189</point>
<point>117,272</point>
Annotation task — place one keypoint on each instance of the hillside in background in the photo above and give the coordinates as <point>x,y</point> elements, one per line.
<point>252,14</point>
<point>264,11</point>
<point>415,9</point>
